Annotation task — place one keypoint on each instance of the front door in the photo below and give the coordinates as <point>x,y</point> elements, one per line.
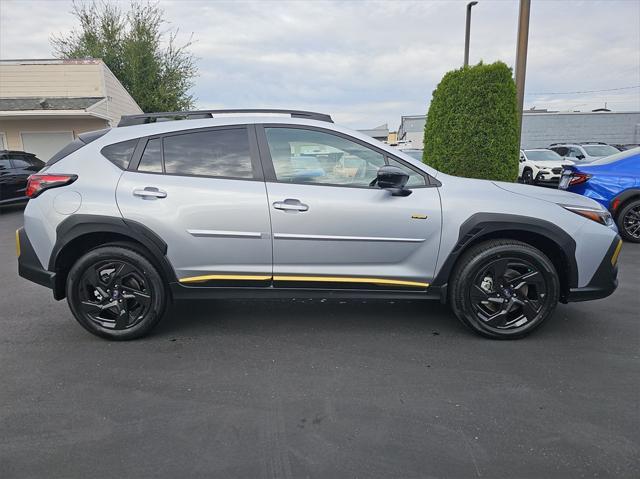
<point>202,192</point>
<point>332,227</point>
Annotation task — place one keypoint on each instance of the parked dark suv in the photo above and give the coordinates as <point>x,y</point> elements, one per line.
<point>15,168</point>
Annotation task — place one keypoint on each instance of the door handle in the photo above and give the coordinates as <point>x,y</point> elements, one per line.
<point>290,204</point>
<point>149,193</point>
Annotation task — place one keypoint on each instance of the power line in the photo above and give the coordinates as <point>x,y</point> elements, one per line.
<point>584,91</point>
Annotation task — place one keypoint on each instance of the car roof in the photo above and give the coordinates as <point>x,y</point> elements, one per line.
<point>124,133</point>
<point>580,143</point>
<point>16,152</point>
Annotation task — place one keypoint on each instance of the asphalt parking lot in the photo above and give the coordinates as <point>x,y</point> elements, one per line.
<point>321,389</point>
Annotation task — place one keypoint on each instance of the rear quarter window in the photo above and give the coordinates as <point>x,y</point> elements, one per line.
<point>120,153</point>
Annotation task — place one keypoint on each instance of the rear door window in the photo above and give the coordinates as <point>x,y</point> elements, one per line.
<point>220,153</point>
<point>151,161</point>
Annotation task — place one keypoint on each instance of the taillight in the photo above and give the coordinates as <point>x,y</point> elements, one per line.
<point>578,178</point>
<point>36,184</point>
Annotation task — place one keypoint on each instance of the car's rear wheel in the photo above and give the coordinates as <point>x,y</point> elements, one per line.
<point>504,289</point>
<point>629,221</point>
<point>527,177</point>
<point>116,293</point>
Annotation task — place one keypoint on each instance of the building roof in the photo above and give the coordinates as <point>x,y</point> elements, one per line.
<point>52,103</point>
<point>377,132</point>
<point>48,88</point>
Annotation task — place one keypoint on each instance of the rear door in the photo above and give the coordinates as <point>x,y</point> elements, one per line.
<point>332,227</point>
<point>202,192</point>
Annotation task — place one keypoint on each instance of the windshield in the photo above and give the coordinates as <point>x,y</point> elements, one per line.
<point>600,150</point>
<point>542,155</point>
<point>623,155</point>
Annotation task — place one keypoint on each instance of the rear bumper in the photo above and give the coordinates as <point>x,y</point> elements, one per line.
<point>605,279</point>
<point>29,266</point>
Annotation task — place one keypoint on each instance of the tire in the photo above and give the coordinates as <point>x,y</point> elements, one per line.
<point>116,293</point>
<point>527,177</point>
<point>529,295</point>
<point>628,221</point>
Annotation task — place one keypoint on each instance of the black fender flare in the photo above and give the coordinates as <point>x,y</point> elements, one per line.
<point>486,225</point>
<point>77,226</point>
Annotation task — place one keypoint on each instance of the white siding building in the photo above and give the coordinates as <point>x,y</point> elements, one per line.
<point>45,104</point>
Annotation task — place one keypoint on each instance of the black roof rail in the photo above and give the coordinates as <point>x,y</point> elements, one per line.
<point>141,119</point>
<point>593,143</point>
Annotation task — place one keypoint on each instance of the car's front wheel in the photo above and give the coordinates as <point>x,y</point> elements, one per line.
<point>629,221</point>
<point>116,293</point>
<point>527,177</point>
<point>504,289</point>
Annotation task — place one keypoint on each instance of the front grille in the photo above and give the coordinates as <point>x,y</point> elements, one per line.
<point>556,171</point>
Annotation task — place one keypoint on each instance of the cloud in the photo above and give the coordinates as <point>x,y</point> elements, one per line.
<point>367,63</point>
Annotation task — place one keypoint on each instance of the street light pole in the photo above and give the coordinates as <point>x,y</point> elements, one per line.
<point>521,56</point>
<point>467,32</point>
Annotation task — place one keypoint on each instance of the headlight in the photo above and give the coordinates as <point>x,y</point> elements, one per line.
<point>599,216</point>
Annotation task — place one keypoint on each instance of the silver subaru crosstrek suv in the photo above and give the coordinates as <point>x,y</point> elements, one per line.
<point>282,203</point>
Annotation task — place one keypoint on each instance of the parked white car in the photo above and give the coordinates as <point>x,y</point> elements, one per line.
<point>584,152</point>
<point>541,166</point>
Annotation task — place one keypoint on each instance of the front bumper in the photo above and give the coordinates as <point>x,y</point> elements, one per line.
<point>547,177</point>
<point>605,279</point>
<point>29,266</point>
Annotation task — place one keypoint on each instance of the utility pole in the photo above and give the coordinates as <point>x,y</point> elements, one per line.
<point>467,32</point>
<point>521,56</point>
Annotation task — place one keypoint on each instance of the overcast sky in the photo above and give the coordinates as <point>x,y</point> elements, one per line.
<point>367,63</point>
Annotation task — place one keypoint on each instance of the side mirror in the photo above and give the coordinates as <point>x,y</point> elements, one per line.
<point>580,157</point>
<point>393,179</point>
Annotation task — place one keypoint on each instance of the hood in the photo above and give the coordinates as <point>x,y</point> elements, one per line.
<point>548,194</point>
<point>551,163</point>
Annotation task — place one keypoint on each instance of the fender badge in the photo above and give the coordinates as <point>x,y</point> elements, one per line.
<point>418,217</point>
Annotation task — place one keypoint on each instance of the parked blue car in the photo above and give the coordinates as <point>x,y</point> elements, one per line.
<point>614,182</point>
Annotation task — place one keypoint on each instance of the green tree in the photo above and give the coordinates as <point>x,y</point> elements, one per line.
<point>472,124</point>
<point>155,71</point>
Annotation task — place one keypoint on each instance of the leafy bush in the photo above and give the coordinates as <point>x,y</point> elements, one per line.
<point>472,124</point>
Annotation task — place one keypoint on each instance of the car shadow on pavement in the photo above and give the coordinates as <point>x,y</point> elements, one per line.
<point>309,316</point>
<point>299,315</point>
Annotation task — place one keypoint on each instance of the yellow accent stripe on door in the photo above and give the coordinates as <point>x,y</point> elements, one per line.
<point>342,279</point>
<point>228,277</point>
<point>311,279</point>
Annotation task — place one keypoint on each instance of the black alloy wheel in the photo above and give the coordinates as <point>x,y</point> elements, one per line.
<point>629,222</point>
<point>504,288</point>
<point>116,293</point>
<point>508,293</point>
